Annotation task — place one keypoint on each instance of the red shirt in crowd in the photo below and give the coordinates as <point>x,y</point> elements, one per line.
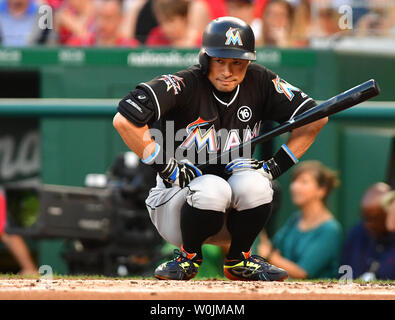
<point>218,8</point>
<point>156,37</point>
<point>91,41</point>
<point>65,34</point>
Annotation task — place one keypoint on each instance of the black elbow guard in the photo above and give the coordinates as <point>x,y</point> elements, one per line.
<point>137,107</point>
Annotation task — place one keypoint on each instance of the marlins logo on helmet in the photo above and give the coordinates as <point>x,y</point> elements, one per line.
<point>233,36</point>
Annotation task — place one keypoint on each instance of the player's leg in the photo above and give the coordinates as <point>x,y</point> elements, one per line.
<point>252,195</point>
<point>164,206</point>
<point>202,215</point>
<point>188,219</point>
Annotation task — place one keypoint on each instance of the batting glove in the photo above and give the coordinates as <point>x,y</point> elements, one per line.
<point>175,172</point>
<point>282,160</point>
<point>179,173</point>
<point>242,164</point>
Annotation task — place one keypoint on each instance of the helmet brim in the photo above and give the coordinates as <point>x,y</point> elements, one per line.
<point>231,53</point>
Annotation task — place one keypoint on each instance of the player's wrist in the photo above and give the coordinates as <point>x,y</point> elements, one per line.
<point>149,156</point>
<point>281,162</point>
<point>154,159</point>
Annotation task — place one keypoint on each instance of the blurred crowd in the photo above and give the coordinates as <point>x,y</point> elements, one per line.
<point>180,23</point>
<point>310,245</point>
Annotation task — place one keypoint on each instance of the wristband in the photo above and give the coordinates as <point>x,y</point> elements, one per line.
<point>281,161</point>
<point>151,159</point>
<point>289,153</point>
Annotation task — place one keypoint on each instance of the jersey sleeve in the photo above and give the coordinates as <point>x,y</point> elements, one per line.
<point>284,101</point>
<point>170,91</point>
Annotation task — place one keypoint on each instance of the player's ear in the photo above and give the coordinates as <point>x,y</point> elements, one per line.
<point>204,61</point>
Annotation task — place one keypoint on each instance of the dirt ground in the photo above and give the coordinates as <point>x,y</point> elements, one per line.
<point>65,289</point>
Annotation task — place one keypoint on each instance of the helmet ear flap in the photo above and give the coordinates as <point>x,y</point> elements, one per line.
<point>204,61</point>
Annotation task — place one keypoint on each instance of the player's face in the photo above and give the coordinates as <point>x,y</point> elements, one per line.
<point>226,74</point>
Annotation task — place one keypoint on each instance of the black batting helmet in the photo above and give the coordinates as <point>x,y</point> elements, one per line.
<point>227,37</point>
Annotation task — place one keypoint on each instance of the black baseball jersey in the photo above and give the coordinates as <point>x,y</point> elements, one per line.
<point>198,121</point>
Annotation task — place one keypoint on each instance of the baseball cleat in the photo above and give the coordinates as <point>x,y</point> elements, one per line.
<point>252,268</point>
<point>184,266</point>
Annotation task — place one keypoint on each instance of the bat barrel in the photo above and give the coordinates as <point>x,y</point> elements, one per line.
<point>352,97</point>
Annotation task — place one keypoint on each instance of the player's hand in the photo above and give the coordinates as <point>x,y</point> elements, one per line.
<point>241,164</point>
<point>179,173</point>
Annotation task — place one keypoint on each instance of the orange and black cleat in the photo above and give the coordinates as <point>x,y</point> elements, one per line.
<point>184,266</point>
<point>252,268</point>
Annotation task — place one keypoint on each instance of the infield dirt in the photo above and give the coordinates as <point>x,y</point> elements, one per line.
<point>120,289</point>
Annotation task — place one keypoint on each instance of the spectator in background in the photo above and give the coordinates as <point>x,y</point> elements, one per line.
<point>308,245</point>
<point>203,11</point>
<point>301,24</point>
<point>54,4</point>
<point>75,18</point>
<point>379,21</point>
<point>132,10</point>
<point>242,9</point>
<point>146,21</point>
<point>172,18</point>
<point>370,248</point>
<point>106,30</point>
<point>18,22</point>
<point>318,22</point>
<point>389,206</point>
<point>256,24</point>
<point>326,24</point>
<point>15,243</point>
<point>359,8</point>
<point>277,24</point>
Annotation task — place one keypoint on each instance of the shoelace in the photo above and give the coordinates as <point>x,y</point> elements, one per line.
<point>260,260</point>
<point>179,254</point>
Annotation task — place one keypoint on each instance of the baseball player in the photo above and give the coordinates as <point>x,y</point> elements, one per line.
<point>211,108</point>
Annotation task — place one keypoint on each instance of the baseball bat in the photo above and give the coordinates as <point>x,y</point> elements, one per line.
<point>340,102</point>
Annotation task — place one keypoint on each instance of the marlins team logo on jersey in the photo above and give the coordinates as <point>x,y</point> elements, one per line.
<point>173,82</point>
<point>195,136</point>
<point>284,87</point>
<point>233,36</point>
<point>209,138</point>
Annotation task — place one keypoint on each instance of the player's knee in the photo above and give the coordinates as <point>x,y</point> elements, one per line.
<point>249,190</point>
<point>209,192</point>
